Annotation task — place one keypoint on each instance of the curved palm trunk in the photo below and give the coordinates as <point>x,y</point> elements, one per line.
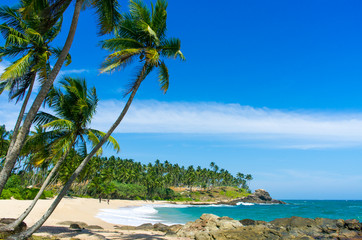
<point>37,225</point>
<point>55,169</point>
<point>14,152</point>
<point>22,111</point>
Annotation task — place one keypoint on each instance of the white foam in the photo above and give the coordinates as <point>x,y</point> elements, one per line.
<point>132,216</point>
<point>135,216</point>
<point>245,204</point>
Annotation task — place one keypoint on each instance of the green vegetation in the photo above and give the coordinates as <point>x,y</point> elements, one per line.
<point>55,156</point>
<point>118,178</point>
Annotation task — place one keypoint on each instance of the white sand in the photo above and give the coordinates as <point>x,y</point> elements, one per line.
<point>77,209</point>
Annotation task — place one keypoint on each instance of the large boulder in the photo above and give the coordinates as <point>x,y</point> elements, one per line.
<point>208,223</point>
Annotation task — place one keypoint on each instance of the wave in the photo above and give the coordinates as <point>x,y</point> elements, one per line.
<point>132,216</point>
<point>245,204</point>
<point>135,216</point>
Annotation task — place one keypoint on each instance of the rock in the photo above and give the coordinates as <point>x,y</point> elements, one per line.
<point>146,226</point>
<point>75,226</point>
<point>259,196</point>
<point>247,233</point>
<point>250,222</point>
<point>226,218</point>
<point>209,217</point>
<point>292,222</point>
<point>212,227</point>
<point>125,227</point>
<point>93,227</point>
<point>160,227</point>
<point>80,224</point>
<point>5,233</point>
<point>175,228</point>
<point>228,224</point>
<point>353,224</point>
<point>203,236</point>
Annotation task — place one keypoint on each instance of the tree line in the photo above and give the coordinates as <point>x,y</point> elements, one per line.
<point>62,148</point>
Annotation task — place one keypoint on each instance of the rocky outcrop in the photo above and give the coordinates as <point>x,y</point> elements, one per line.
<point>4,222</point>
<point>212,227</point>
<point>259,196</point>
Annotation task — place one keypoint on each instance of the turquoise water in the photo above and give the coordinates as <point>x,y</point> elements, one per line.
<point>311,209</point>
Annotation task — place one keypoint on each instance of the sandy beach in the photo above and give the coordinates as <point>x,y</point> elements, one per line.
<point>81,210</point>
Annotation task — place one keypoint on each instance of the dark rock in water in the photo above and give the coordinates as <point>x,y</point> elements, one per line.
<point>259,196</point>
<point>210,226</point>
<point>5,233</point>
<point>146,226</point>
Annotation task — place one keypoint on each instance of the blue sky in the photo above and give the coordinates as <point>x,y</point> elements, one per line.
<point>270,88</point>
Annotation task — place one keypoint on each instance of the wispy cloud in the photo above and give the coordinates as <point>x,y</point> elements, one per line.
<point>266,128</point>
<point>315,129</point>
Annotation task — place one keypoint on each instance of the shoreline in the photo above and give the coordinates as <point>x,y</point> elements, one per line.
<point>78,210</point>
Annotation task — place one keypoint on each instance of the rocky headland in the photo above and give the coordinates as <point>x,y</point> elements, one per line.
<point>260,196</point>
<point>212,227</point>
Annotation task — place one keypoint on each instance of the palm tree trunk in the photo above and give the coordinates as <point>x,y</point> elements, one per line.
<point>14,152</point>
<point>22,111</point>
<point>55,169</point>
<point>63,192</point>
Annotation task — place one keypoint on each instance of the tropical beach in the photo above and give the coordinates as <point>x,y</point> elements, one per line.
<point>76,210</point>
<point>156,119</point>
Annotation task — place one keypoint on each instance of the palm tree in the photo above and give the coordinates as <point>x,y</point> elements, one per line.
<point>4,141</point>
<point>142,34</point>
<point>25,38</point>
<point>74,111</point>
<point>108,16</point>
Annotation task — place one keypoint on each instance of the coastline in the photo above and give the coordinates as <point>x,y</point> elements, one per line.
<point>78,210</point>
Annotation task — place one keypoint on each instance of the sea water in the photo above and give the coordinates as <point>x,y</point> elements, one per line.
<point>180,214</point>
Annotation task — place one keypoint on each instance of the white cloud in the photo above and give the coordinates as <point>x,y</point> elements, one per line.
<point>315,130</point>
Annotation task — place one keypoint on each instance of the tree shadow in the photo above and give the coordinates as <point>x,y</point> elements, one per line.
<point>143,237</point>
<point>63,231</point>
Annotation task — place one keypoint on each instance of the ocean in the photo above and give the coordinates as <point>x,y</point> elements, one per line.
<point>180,214</point>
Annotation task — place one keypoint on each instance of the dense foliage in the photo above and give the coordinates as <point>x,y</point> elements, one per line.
<point>116,178</point>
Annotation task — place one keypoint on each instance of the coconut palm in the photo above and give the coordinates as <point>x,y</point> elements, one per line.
<point>108,16</point>
<point>68,128</point>
<point>24,39</point>
<point>141,34</point>
<point>4,141</point>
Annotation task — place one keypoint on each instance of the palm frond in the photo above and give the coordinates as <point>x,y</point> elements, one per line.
<point>42,118</point>
<point>18,68</point>
<point>108,15</point>
<point>59,124</point>
<point>171,48</point>
<point>12,51</point>
<point>117,44</point>
<point>111,140</point>
<point>140,11</point>
<point>11,16</point>
<point>94,140</point>
<point>56,51</point>
<point>159,17</point>
<point>117,62</point>
<point>163,77</point>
